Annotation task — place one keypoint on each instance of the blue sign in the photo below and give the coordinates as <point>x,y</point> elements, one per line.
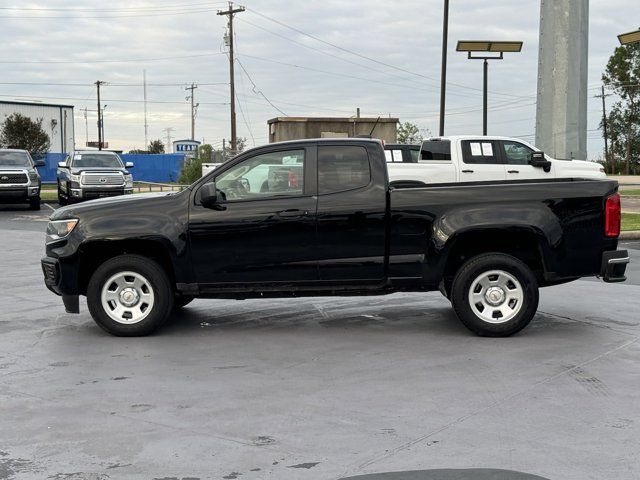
<point>186,147</point>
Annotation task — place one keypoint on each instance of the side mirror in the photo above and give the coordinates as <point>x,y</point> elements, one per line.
<point>128,165</point>
<point>538,160</point>
<point>39,163</point>
<point>208,195</point>
<point>62,165</point>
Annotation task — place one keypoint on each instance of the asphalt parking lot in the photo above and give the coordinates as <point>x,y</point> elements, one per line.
<point>322,388</point>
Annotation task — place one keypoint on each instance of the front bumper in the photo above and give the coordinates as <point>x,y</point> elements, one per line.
<point>88,193</point>
<point>18,194</point>
<point>54,280</point>
<point>614,265</point>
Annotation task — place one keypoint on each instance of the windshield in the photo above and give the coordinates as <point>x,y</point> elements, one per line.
<point>15,159</point>
<point>99,160</point>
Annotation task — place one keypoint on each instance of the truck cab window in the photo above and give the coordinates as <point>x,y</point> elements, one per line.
<point>516,153</point>
<point>268,175</point>
<point>342,168</point>
<point>480,152</point>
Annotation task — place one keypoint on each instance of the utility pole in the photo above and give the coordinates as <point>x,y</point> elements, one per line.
<point>604,128</point>
<point>193,110</point>
<point>168,131</point>
<point>98,83</point>
<point>86,126</point>
<point>443,71</point>
<point>230,13</point>
<point>146,125</point>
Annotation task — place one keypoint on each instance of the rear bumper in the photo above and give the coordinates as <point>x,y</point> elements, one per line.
<point>614,265</point>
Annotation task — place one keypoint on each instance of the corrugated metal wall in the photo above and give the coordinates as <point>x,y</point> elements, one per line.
<point>57,121</point>
<point>162,168</point>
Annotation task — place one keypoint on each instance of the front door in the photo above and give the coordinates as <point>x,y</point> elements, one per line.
<point>516,159</point>
<point>263,229</point>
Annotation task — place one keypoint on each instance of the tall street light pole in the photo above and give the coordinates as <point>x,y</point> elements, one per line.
<point>477,47</point>
<point>443,71</point>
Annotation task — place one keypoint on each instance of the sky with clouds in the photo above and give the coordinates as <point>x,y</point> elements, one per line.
<point>53,52</point>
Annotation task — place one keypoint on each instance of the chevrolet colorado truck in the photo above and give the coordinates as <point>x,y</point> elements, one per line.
<point>478,159</point>
<point>19,180</point>
<point>319,218</point>
<point>86,175</point>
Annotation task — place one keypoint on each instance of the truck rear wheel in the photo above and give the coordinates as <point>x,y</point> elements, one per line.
<point>130,296</point>
<point>495,295</point>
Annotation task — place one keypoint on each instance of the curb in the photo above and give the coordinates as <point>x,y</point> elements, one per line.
<point>630,235</point>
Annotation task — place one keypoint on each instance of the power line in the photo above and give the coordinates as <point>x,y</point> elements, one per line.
<point>111,84</point>
<point>110,100</point>
<point>75,9</point>
<point>101,17</point>
<point>351,52</point>
<point>257,91</point>
<point>80,62</point>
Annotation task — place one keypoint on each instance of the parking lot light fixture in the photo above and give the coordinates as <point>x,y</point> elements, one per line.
<point>487,50</point>
<point>629,38</point>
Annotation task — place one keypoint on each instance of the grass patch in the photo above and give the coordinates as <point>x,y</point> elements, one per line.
<point>630,221</point>
<point>630,192</point>
<point>49,195</point>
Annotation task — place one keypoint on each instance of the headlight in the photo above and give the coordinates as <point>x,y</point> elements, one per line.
<point>58,229</point>
<point>128,181</point>
<point>74,178</point>
<point>33,176</point>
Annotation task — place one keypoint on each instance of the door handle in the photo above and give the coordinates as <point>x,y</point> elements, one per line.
<point>513,171</point>
<point>292,213</point>
<point>467,171</point>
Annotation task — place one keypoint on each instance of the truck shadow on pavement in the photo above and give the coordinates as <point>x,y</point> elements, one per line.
<point>450,474</point>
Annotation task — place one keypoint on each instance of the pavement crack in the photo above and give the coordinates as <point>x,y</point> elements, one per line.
<point>422,438</point>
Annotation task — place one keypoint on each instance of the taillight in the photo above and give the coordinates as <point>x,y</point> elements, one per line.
<point>612,216</point>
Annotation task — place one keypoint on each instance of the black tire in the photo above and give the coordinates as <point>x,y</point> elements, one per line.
<point>181,301</point>
<point>34,203</point>
<point>62,201</point>
<point>471,315</point>
<point>159,283</point>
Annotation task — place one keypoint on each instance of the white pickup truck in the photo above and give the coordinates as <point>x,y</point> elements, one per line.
<point>476,159</point>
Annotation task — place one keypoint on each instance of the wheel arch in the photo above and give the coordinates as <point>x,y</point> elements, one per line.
<point>92,254</point>
<point>525,244</point>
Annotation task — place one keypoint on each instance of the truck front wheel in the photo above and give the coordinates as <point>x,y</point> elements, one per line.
<point>495,295</point>
<point>130,296</point>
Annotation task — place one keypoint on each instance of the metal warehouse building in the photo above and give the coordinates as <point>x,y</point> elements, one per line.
<point>57,121</point>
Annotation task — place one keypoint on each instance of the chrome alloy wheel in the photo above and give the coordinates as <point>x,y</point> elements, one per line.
<point>127,297</point>
<point>496,296</point>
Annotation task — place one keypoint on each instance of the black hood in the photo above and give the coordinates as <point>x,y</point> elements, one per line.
<point>118,205</point>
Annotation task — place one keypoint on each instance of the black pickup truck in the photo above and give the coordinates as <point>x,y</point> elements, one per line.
<point>318,218</point>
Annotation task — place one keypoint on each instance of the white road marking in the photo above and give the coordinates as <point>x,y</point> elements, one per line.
<point>52,209</point>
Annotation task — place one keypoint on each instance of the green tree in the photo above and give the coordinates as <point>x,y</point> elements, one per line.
<point>19,131</point>
<point>192,168</point>
<point>156,146</point>
<point>622,75</point>
<point>409,133</point>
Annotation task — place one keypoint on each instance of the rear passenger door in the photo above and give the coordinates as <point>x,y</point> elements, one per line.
<point>481,161</point>
<point>350,216</point>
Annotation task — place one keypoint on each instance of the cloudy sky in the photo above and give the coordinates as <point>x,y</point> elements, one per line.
<point>53,51</point>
